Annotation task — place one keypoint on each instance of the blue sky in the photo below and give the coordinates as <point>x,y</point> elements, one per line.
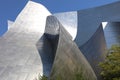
<point>9,9</point>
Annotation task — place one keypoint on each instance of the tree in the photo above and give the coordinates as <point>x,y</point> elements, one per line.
<point>111,66</point>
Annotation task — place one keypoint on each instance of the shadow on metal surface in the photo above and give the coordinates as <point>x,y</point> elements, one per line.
<point>47,49</point>
<point>94,50</point>
<point>60,56</point>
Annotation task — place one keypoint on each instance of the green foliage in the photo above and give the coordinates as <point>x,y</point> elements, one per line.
<point>111,66</point>
<point>43,77</point>
<point>79,76</point>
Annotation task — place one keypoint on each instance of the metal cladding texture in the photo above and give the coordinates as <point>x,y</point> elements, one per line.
<point>19,57</point>
<point>68,60</point>
<point>112,33</point>
<point>90,19</point>
<point>69,21</point>
<point>26,50</point>
<point>94,48</point>
<point>10,24</point>
<point>88,25</point>
<point>47,45</point>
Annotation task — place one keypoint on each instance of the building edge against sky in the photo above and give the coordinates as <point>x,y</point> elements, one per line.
<point>19,59</point>
<point>26,29</point>
<point>12,9</point>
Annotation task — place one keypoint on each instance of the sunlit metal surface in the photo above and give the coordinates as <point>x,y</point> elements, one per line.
<point>67,58</point>
<point>69,21</point>
<point>25,51</point>
<point>112,34</point>
<point>88,24</point>
<point>90,19</point>
<point>104,25</point>
<point>10,24</point>
<point>19,57</point>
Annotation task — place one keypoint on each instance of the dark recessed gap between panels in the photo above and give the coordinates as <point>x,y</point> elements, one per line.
<point>47,46</point>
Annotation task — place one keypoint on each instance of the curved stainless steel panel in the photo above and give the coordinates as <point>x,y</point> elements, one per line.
<point>94,50</point>
<point>88,24</point>
<point>89,20</point>
<point>68,60</point>
<point>22,44</point>
<point>112,34</point>
<point>19,57</point>
<point>69,21</point>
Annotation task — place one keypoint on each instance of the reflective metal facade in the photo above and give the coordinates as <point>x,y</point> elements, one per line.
<point>68,59</point>
<point>112,34</point>
<point>19,57</point>
<point>64,44</point>
<point>88,24</point>
<point>69,21</point>
<point>94,50</point>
